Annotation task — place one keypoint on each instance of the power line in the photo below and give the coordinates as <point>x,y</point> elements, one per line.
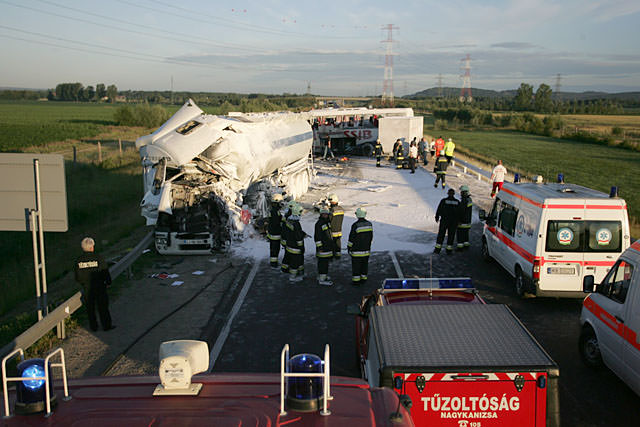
<point>112,26</point>
<point>162,30</point>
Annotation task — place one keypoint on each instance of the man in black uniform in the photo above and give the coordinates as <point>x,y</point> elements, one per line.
<point>399,155</point>
<point>295,244</point>
<point>423,149</point>
<point>447,215</point>
<point>324,246</point>
<point>274,229</point>
<point>359,247</point>
<point>337,216</point>
<point>283,239</point>
<point>93,275</point>
<point>378,151</point>
<point>466,208</point>
<point>441,169</point>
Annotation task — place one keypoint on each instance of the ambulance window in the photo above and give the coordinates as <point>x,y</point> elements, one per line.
<point>616,284</point>
<point>604,236</point>
<point>507,219</point>
<point>564,236</point>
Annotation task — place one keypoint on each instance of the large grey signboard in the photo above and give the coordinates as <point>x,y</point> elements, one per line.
<point>17,191</point>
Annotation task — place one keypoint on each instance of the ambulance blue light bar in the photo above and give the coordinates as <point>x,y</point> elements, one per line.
<point>434,283</point>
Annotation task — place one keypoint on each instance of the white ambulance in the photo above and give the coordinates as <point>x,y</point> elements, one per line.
<point>548,236</point>
<point>610,319</point>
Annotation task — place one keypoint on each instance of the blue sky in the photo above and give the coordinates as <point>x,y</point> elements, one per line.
<point>275,46</point>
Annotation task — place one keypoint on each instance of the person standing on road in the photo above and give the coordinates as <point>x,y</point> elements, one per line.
<point>359,247</point>
<point>432,148</point>
<point>324,246</point>
<point>395,149</point>
<point>274,229</point>
<point>283,240</point>
<point>440,169</point>
<point>413,157</point>
<point>337,216</point>
<point>439,145</point>
<point>449,147</point>
<point>447,216</point>
<point>423,150</point>
<point>497,177</point>
<point>399,155</point>
<point>92,274</point>
<point>466,210</point>
<point>295,244</point>
<point>327,149</point>
<point>379,152</point>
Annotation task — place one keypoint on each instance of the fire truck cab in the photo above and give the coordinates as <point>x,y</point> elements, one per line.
<point>610,319</point>
<point>549,236</point>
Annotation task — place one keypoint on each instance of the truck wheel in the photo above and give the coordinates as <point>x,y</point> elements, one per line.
<point>367,150</point>
<point>519,282</point>
<point>485,251</point>
<point>589,348</point>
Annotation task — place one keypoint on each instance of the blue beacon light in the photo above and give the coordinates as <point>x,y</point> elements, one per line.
<point>304,394</point>
<point>31,394</point>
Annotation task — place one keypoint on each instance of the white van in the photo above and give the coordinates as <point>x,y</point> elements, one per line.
<point>610,319</point>
<point>549,236</point>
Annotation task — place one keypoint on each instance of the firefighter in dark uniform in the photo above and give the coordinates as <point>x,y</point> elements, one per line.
<point>447,215</point>
<point>295,244</point>
<point>379,152</point>
<point>466,208</point>
<point>283,237</point>
<point>423,149</point>
<point>324,246</point>
<point>440,169</point>
<point>92,273</point>
<point>359,247</point>
<point>337,216</point>
<point>274,229</point>
<point>399,155</point>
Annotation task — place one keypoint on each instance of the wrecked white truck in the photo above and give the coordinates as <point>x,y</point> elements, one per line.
<point>205,174</point>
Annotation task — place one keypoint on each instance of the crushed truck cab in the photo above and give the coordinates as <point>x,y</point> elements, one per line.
<point>462,362</point>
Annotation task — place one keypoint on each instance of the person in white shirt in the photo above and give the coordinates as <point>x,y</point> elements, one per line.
<point>413,156</point>
<point>497,176</point>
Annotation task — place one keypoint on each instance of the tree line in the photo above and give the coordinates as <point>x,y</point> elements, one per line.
<point>78,92</point>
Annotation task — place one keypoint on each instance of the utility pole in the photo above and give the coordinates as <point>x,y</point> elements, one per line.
<point>439,85</point>
<point>387,86</point>
<point>308,88</point>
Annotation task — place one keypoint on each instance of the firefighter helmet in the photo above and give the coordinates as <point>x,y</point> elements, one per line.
<point>324,210</point>
<point>333,198</point>
<point>296,210</point>
<point>361,213</point>
<point>464,188</point>
<point>277,197</point>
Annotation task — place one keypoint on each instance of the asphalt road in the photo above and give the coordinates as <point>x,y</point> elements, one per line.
<point>307,316</point>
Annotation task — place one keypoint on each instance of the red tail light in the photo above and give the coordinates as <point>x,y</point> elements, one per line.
<point>535,273</point>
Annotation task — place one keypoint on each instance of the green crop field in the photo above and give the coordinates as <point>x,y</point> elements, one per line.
<point>24,124</point>
<point>592,165</point>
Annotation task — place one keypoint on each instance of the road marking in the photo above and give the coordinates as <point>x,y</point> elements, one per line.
<point>217,347</point>
<point>396,265</point>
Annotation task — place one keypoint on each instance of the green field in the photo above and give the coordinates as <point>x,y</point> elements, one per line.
<point>591,165</point>
<point>24,124</point>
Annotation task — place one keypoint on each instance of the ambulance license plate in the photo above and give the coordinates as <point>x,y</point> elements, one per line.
<point>561,270</point>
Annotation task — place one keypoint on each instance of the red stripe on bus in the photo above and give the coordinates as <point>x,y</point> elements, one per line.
<point>506,190</point>
<point>614,207</point>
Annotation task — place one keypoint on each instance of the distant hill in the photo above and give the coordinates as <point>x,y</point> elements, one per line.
<point>488,93</point>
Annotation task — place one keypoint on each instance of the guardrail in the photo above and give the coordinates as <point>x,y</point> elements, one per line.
<point>56,317</point>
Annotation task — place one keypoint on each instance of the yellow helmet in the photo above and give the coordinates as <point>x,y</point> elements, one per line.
<point>277,197</point>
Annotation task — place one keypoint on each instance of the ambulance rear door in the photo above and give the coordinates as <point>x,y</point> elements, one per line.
<point>562,251</point>
<point>606,226</point>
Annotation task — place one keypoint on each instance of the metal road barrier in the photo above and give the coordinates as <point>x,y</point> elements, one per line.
<point>56,317</point>
<point>469,167</point>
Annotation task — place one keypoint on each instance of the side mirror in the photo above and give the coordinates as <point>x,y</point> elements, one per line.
<point>354,309</point>
<point>482,214</point>
<point>588,283</point>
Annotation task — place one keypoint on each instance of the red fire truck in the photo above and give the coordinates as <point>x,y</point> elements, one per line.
<point>462,362</point>
<point>303,394</point>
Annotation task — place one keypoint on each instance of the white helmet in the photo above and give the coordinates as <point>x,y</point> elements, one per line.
<point>296,210</point>
<point>277,197</point>
<point>333,198</point>
<point>361,213</point>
